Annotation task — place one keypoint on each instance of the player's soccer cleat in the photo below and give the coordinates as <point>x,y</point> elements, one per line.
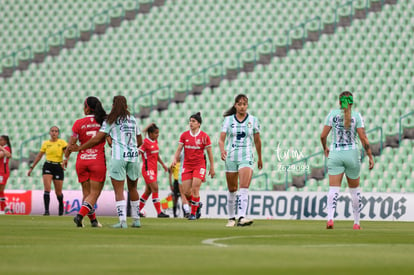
<point>231,222</point>
<point>163,215</point>
<point>244,221</point>
<point>120,225</point>
<point>95,223</point>
<point>198,213</point>
<point>78,220</point>
<point>60,209</point>
<point>186,215</point>
<point>330,224</point>
<point>356,227</point>
<point>8,210</point>
<point>192,217</point>
<point>46,213</point>
<point>136,223</point>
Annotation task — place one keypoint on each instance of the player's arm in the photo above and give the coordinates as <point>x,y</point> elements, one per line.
<point>258,145</point>
<point>139,140</point>
<point>36,160</point>
<point>4,153</point>
<point>211,160</point>
<point>90,143</point>
<point>221,145</point>
<point>324,136</point>
<point>177,154</point>
<point>365,143</point>
<point>109,140</point>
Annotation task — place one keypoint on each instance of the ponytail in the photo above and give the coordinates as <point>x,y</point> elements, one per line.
<point>346,100</point>
<point>151,128</point>
<point>96,108</point>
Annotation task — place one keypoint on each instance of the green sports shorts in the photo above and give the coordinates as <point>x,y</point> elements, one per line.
<point>235,166</point>
<point>347,161</point>
<point>119,169</point>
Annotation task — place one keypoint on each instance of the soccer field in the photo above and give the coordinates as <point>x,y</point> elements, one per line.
<point>37,244</point>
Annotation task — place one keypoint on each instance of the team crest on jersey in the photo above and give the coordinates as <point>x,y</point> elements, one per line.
<point>249,124</point>
<point>198,141</point>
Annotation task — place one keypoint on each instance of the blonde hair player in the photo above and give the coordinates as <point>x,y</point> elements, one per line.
<point>343,155</point>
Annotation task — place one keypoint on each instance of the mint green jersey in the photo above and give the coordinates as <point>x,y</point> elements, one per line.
<point>344,139</point>
<point>124,138</point>
<point>240,137</point>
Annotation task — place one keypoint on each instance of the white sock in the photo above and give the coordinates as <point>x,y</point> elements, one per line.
<point>356,203</point>
<point>135,210</point>
<point>121,209</point>
<point>332,198</point>
<point>243,200</point>
<point>186,208</point>
<point>231,204</point>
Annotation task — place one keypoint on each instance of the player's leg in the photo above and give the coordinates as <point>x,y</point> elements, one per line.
<point>47,186</point>
<point>176,194</point>
<point>195,197</point>
<point>184,201</point>
<point>117,173</point>
<point>144,197</point>
<point>232,177</point>
<point>58,184</point>
<point>232,185</point>
<point>336,171</point>
<point>352,170</point>
<point>245,177</point>
<point>186,192</point>
<point>132,182</point>
<point>2,196</point>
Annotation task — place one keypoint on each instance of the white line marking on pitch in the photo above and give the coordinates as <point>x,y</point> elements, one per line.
<point>216,242</point>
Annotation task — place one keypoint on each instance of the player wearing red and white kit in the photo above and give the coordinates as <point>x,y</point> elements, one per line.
<point>5,155</point>
<point>90,163</point>
<point>193,173</point>
<point>149,151</point>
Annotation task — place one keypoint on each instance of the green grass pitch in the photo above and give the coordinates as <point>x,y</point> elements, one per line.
<point>53,245</point>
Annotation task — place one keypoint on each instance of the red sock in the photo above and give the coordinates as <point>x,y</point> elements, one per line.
<point>92,216</point>
<point>194,205</point>
<point>85,209</point>
<point>2,201</point>
<point>142,201</point>
<point>156,201</point>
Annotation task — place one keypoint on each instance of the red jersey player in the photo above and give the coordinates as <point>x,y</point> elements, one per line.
<point>193,173</point>
<point>150,157</point>
<point>5,155</point>
<point>90,163</point>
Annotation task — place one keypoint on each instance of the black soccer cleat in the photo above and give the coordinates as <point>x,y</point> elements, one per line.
<point>78,220</point>
<point>163,215</point>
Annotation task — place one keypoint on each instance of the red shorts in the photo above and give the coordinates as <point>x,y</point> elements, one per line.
<point>4,178</point>
<point>150,176</point>
<point>91,170</point>
<point>193,172</point>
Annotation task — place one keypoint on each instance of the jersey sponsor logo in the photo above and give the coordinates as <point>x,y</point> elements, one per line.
<point>192,147</point>
<point>130,154</point>
<point>241,135</point>
<point>154,152</point>
<point>127,128</point>
<point>88,156</point>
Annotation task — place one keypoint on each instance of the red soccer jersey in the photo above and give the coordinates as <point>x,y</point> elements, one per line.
<point>84,129</point>
<point>4,162</point>
<point>194,146</point>
<point>149,152</point>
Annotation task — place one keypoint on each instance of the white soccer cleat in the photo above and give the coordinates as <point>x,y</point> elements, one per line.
<point>231,223</point>
<point>244,221</point>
